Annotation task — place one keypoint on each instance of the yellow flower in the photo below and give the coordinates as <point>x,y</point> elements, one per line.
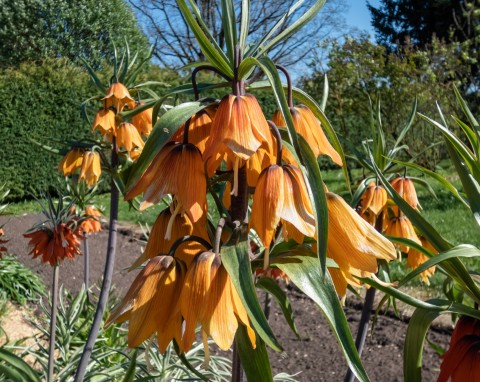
<point>143,121</point>
<point>151,303</point>
<point>374,199</point>
<point>353,244</point>
<point>177,169</point>
<point>308,126</point>
<point>91,168</point>
<point>118,96</point>
<point>209,298</point>
<point>169,227</point>
<point>71,162</point>
<point>128,137</point>
<point>402,227</point>
<point>104,122</point>
<point>416,258</point>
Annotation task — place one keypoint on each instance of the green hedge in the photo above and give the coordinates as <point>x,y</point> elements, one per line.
<point>40,103</point>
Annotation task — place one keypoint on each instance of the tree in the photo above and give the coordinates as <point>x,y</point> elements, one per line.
<point>176,45</point>
<point>31,30</point>
<point>396,20</point>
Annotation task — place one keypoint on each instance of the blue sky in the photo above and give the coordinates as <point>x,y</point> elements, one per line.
<point>359,15</point>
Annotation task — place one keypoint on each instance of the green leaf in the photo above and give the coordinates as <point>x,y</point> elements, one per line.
<point>255,362</point>
<point>317,188</point>
<point>409,124</point>
<point>130,374</point>
<point>237,263</point>
<point>467,112</point>
<point>14,366</point>
<point>133,75</point>
<point>99,84</point>
<point>304,271</point>
<point>287,32</point>
<point>207,43</point>
<point>269,285</point>
<point>414,342</point>
<point>161,133</point>
<point>229,28</point>
<point>244,23</point>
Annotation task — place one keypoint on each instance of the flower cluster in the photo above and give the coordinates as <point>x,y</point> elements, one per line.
<point>187,285</point>
<point>91,221</point>
<point>53,244</point>
<point>3,241</point>
<point>381,212</point>
<point>110,124</point>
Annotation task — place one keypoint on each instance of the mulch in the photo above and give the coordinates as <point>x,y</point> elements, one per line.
<point>316,354</point>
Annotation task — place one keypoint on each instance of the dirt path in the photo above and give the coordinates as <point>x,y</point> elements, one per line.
<point>316,354</point>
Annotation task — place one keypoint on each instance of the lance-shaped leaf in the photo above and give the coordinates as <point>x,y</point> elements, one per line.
<point>161,133</point>
<point>270,286</point>
<point>236,261</point>
<point>304,271</point>
<point>255,362</point>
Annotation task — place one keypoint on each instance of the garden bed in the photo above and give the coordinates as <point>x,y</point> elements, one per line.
<point>315,354</point>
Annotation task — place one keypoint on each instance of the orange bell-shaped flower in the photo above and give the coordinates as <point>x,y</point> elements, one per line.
<point>71,162</point>
<point>402,227</point>
<point>3,249</point>
<point>461,361</point>
<point>91,223</point>
<point>151,304</point>
<point>128,137</point>
<point>143,120</point>
<point>308,126</point>
<point>406,189</point>
<point>104,122</point>
<point>416,258</point>
<point>177,169</point>
<point>353,244</point>
<point>210,299</point>
<point>373,199</point>
<point>91,168</point>
<point>118,96</point>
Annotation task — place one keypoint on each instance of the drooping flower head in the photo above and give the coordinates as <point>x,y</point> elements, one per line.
<point>238,130</point>
<point>353,244</point>
<point>91,168</point>
<point>71,162</point>
<point>461,361</point>
<point>143,120</point>
<point>128,138</point>
<point>373,199</point>
<point>118,96</point>
<point>53,245</point>
<point>406,189</point>
<point>151,305</point>
<point>281,196</point>
<point>402,227</point>
<point>104,122</point>
<point>91,222</point>
<point>210,299</point>
<point>308,126</point>
<point>178,170</point>
<point>170,226</point>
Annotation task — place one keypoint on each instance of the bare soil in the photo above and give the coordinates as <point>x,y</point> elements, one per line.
<point>316,354</point>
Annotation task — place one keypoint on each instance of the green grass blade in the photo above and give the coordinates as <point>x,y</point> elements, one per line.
<point>304,271</point>
<point>17,366</point>
<point>270,286</point>
<point>237,263</point>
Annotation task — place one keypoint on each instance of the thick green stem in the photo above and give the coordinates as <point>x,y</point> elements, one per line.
<point>86,263</point>
<point>53,324</point>
<point>107,275</point>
